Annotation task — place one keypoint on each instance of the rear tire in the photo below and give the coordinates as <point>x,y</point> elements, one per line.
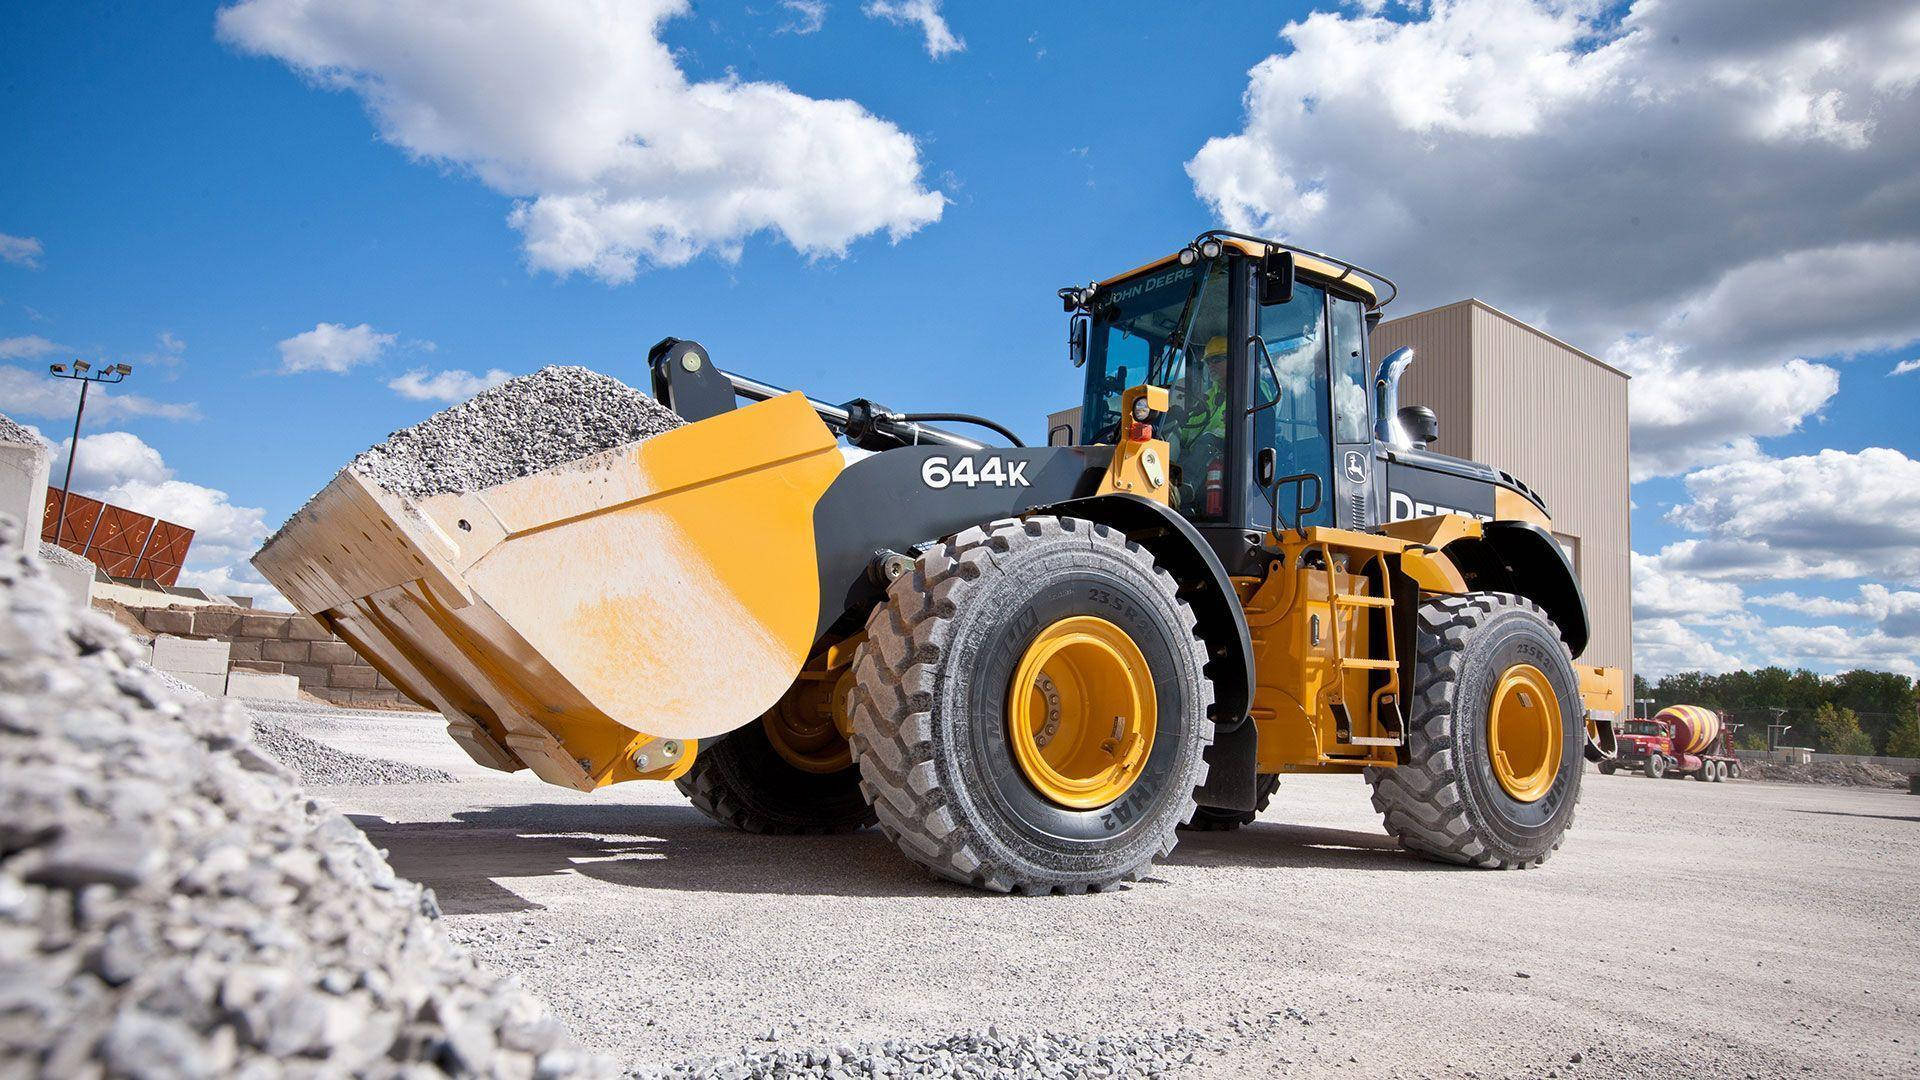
<point>741,780</point>
<point>1215,819</point>
<point>934,701</point>
<point>1451,801</point>
<point>1733,770</point>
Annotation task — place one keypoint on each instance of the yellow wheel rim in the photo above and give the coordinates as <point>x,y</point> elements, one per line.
<point>1523,733</point>
<point>804,728</point>
<point>1081,712</point>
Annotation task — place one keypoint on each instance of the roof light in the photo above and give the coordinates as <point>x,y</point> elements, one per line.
<point>1188,256</point>
<point>1210,249</point>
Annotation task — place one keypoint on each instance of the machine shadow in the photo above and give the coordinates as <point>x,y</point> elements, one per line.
<point>645,847</point>
<point>1857,814</point>
<point>1279,845</point>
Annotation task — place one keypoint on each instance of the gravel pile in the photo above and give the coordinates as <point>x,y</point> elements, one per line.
<point>60,556</point>
<point>320,765</point>
<point>12,432</point>
<point>983,1055</point>
<point>172,905</point>
<point>1832,773</point>
<point>522,426</point>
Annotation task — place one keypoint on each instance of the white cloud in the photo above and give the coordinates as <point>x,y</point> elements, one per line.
<point>120,468</point>
<point>1661,592</point>
<point>21,251</point>
<point>29,346</point>
<point>1906,367</point>
<point>238,579</point>
<point>1704,192</point>
<point>582,113</point>
<point>449,386</point>
<point>925,14</point>
<point>35,393</point>
<point>1897,612</point>
<point>1664,646</point>
<point>808,16</point>
<point>1833,514</point>
<point>333,347</point>
<point>110,458</point>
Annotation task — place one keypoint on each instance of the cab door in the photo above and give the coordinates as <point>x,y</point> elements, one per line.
<point>1352,414</point>
<point>1292,415</point>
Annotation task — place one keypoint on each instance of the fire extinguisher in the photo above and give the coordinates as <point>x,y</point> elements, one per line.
<point>1214,491</point>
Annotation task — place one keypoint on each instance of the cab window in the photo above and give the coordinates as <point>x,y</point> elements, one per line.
<point>1296,425</point>
<point>1348,322</point>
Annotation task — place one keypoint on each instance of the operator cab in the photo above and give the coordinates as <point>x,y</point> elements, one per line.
<point>1277,428</point>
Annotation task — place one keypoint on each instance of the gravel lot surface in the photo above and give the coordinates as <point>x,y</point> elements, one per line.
<point>1306,944</point>
<point>524,425</point>
<point>173,905</point>
<point>60,556</point>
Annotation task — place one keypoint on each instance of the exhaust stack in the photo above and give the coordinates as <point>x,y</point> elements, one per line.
<point>1386,399</point>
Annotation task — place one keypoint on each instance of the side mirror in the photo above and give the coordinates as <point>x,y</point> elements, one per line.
<point>1077,340</point>
<point>1276,277</point>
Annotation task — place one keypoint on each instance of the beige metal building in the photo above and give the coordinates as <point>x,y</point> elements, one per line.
<point>1518,399</point>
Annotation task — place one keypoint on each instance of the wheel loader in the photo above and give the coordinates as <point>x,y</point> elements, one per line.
<point>1029,666</point>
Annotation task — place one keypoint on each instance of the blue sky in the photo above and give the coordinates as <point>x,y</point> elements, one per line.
<point>188,198</point>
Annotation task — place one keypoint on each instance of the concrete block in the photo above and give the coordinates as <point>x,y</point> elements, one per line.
<point>23,488</point>
<point>310,675</point>
<point>294,652</point>
<point>270,667</point>
<point>167,620</point>
<point>244,649</point>
<point>351,677</point>
<point>333,652</point>
<point>175,655</point>
<point>302,628</point>
<point>207,683</point>
<point>269,627</point>
<point>381,682</point>
<point>76,583</point>
<point>256,684</point>
<point>215,622</point>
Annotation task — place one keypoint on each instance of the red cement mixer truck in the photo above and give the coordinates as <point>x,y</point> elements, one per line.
<point>1681,740</point>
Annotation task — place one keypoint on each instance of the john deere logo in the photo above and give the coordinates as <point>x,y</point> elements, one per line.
<point>1356,467</point>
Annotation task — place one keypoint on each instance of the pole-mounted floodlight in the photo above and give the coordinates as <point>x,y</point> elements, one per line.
<point>112,373</point>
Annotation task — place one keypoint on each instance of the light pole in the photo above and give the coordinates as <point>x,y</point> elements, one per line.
<point>84,373</point>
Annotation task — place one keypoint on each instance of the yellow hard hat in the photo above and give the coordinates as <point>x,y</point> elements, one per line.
<point>1216,346</point>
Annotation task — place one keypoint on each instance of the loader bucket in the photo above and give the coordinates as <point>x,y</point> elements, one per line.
<point>625,603</point>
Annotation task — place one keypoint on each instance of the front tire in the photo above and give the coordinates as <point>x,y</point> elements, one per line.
<point>982,699</point>
<point>1493,756</point>
<point>1656,767</point>
<point>1607,768</point>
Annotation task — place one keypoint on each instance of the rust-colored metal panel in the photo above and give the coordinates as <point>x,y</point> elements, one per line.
<point>120,541</point>
<point>166,552</point>
<point>82,514</point>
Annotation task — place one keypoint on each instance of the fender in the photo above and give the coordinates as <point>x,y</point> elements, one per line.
<point>1204,585</point>
<point>1523,558</point>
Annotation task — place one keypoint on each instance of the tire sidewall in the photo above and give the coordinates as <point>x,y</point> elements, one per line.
<point>1033,589</point>
<point>1515,636</point>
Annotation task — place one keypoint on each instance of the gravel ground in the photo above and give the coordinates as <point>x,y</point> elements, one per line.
<point>318,764</point>
<point>60,556</point>
<point>522,426</point>
<point>1305,944</point>
<point>172,905</point>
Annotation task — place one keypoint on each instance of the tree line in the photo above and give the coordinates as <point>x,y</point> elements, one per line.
<point>1858,712</point>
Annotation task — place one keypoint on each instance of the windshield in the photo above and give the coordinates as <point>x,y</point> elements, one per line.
<point>1139,328</point>
<point>1644,727</point>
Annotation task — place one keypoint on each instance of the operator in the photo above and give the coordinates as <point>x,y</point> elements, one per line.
<point>1202,437</point>
<point>1208,416</point>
